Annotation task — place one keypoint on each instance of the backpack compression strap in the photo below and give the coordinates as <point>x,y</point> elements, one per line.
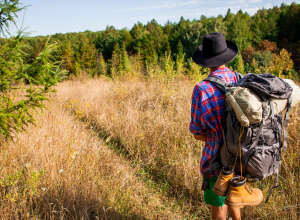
<point>286,121</point>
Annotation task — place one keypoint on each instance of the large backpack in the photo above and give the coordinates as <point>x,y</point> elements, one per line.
<point>260,144</point>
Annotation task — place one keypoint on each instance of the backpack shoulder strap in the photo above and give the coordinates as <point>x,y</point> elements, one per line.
<point>224,87</point>
<point>238,75</point>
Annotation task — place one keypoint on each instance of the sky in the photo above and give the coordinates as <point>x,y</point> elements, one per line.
<point>47,17</point>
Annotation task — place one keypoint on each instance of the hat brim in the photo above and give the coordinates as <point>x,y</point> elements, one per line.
<point>218,60</point>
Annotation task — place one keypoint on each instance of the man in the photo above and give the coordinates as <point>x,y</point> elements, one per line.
<point>208,106</point>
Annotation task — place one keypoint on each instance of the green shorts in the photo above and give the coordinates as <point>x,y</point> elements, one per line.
<point>210,197</point>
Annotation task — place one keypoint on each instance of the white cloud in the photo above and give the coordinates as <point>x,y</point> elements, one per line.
<point>237,2</point>
<point>162,6</point>
<point>268,5</point>
<point>254,1</point>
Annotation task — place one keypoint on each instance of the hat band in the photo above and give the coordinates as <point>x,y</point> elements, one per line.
<point>216,54</point>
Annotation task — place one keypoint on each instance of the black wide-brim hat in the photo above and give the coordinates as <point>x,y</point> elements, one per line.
<point>215,51</point>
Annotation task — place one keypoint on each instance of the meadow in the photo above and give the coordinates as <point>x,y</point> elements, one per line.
<point>121,149</point>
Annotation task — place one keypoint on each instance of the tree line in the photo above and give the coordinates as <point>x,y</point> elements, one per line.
<point>267,41</point>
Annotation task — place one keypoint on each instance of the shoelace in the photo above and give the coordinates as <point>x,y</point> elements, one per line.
<point>248,188</point>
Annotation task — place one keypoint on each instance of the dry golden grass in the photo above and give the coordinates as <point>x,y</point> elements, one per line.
<point>147,122</point>
<point>62,170</point>
<point>121,149</point>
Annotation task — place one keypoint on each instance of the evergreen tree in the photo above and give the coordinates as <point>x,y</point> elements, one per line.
<point>86,55</point>
<point>16,114</point>
<point>239,30</point>
<point>68,57</point>
<point>192,37</point>
<point>114,63</point>
<point>101,65</point>
<point>255,28</point>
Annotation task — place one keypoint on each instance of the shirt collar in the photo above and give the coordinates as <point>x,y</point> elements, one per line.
<point>219,70</point>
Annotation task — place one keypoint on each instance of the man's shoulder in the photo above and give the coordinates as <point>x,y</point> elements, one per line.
<point>203,86</point>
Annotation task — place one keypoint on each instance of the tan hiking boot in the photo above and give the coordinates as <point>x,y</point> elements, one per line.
<point>222,184</point>
<point>239,194</point>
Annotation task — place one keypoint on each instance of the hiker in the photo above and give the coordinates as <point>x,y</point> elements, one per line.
<point>208,106</point>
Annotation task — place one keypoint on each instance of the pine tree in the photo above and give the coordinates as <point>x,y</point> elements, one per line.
<point>114,63</point>
<point>101,65</point>
<point>16,114</point>
<point>255,28</point>
<point>68,59</point>
<point>239,30</point>
<point>86,55</point>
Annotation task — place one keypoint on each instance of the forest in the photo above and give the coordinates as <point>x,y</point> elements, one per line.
<point>268,41</point>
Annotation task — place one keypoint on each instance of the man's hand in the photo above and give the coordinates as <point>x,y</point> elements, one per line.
<point>200,137</point>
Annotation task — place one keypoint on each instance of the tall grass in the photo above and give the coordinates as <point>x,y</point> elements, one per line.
<point>148,120</point>
<point>121,149</point>
<point>60,169</point>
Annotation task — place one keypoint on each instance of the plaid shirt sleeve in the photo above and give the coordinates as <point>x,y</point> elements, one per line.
<point>197,124</point>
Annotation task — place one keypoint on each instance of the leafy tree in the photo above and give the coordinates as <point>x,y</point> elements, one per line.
<point>261,62</point>
<point>267,29</point>
<point>282,63</point>
<point>16,112</point>
<point>106,42</point>
<point>248,53</point>
<point>266,45</point>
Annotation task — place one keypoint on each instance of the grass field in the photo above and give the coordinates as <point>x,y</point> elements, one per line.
<point>121,149</point>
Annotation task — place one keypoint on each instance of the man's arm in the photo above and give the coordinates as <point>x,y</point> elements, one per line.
<point>200,137</point>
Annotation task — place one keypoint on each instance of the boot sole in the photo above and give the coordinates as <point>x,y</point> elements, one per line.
<point>219,193</point>
<point>241,205</point>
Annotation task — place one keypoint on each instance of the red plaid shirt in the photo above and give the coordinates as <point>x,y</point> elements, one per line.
<point>208,106</point>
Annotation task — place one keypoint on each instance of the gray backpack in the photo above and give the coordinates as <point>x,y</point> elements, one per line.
<point>260,143</point>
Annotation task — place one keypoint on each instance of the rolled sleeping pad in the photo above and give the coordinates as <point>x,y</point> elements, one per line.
<point>238,111</point>
<point>278,104</point>
<point>295,93</point>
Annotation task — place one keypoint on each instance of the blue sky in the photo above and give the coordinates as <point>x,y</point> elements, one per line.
<point>61,16</point>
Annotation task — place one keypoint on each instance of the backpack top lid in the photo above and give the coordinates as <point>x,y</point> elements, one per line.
<point>266,86</point>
